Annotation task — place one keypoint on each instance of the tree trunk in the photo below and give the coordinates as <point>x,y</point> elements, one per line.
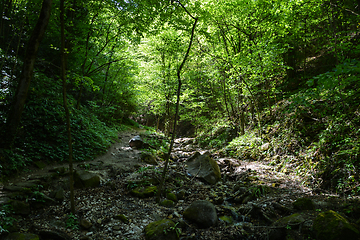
<point>176,109</point>
<point>14,118</point>
<point>68,128</point>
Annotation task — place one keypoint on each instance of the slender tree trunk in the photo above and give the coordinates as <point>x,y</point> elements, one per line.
<point>68,128</point>
<point>14,118</point>
<point>163,176</point>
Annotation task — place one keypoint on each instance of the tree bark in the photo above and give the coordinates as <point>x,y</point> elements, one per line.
<point>68,128</point>
<point>14,117</point>
<point>163,176</point>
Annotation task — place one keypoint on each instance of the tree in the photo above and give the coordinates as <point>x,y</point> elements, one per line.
<point>14,118</point>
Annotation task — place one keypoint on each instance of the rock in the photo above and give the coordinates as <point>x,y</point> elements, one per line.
<point>180,195</point>
<point>148,158</point>
<point>330,225</point>
<point>54,234</point>
<point>136,142</point>
<point>85,179</point>
<point>21,236</point>
<point>304,204</point>
<point>59,194</point>
<point>86,224</point>
<point>293,220</point>
<point>265,147</point>
<point>161,230</point>
<point>20,207</point>
<point>202,213</point>
<point>167,203</point>
<point>204,167</point>
<point>171,196</point>
<point>122,217</point>
<point>144,191</point>
<point>227,219</point>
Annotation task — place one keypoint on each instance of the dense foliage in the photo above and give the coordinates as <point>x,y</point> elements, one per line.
<point>282,72</point>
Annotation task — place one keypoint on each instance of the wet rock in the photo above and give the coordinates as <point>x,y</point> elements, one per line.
<point>144,191</point>
<point>332,226</point>
<point>85,179</point>
<point>304,204</point>
<point>202,213</point>
<point>204,167</point>
<point>21,236</point>
<point>136,142</point>
<point>161,230</point>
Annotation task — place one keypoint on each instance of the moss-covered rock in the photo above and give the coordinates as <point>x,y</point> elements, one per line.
<point>21,236</point>
<point>144,191</point>
<point>293,220</point>
<point>227,219</point>
<point>167,203</point>
<point>304,204</point>
<point>122,217</point>
<point>332,226</point>
<point>161,230</point>
<point>171,196</point>
<point>148,158</point>
<point>202,212</point>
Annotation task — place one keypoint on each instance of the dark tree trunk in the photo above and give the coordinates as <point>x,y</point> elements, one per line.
<point>14,118</point>
<point>68,128</point>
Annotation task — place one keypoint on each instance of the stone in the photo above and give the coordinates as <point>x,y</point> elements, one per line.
<point>201,212</point>
<point>144,191</point>
<point>167,203</point>
<point>293,220</point>
<point>330,225</point>
<point>265,147</point>
<point>86,179</point>
<point>136,142</point>
<point>21,236</point>
<point>161,230</point>
<point>303,204</point>
<point>204,167</point>
<point>86,224</point>
<point>148,158</point>
<point>122,217</point>
<point>171,196</point>
<point>181,194</point>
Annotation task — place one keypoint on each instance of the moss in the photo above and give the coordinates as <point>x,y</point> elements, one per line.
<point>294,219</point>
<point>304,204</point>
<point>167,203</point>
<point>122,217</point>
<point>332,226</point>
<point>227,219</point>
<point>161,230</point>
<point>171,196</point>
<point>143,191</point>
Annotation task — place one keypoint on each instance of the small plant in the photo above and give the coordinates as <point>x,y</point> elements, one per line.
<point>6,221</point>
<point>72,222</point>
<point>288,227</point>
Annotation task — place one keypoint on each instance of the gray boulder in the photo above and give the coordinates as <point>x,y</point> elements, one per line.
<point>203,167</point>
<point>85,179</point>
<point>136,142</point>
<point>201,212</point>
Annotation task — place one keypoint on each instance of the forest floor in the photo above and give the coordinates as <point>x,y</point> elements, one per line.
<point>269,196</point>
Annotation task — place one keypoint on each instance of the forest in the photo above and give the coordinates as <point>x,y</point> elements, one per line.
<point>268,82</point>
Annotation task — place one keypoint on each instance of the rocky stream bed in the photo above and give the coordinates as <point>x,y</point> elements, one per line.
<point>252,200</point>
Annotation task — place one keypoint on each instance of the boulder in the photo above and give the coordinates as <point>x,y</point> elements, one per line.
<point>136,142</point>
<point>204,167</point>
<point>330,225</point>
<point>85,179</point>
<point>21,236</point>
<point>201,212</point>
<point>304,204</point>
<point>161,230</point>
<point>167,203</point>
